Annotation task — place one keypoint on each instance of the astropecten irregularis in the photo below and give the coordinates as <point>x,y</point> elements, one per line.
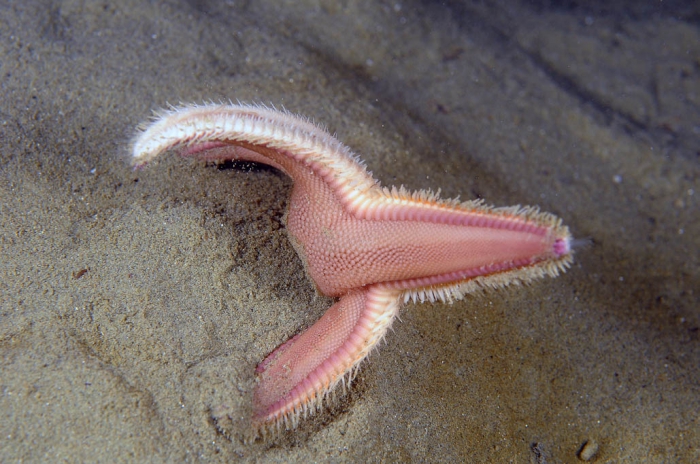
<point>373,248</point>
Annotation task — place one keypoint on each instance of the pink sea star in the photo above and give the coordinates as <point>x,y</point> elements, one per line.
<point>372,247</point>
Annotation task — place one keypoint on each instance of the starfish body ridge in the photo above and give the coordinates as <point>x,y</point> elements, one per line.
<point>370,246</point>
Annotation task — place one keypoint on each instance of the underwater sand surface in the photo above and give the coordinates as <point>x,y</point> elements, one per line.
<point>135,305</point>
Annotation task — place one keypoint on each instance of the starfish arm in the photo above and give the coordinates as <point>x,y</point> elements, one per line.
<point>296,377</point>
<point>285,141</point>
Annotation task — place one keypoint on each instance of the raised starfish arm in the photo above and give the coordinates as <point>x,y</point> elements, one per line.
<point>370,246</point>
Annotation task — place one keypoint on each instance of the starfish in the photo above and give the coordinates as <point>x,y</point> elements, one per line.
<point>373,248</point>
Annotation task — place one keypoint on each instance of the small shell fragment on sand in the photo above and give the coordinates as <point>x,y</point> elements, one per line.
<point>588,450</point>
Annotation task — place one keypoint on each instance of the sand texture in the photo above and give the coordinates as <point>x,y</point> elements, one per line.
<point>135,305</point>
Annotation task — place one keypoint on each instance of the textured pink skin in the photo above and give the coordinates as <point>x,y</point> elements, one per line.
<point>342,252</point>
<point>325,350</point>
<point>356,254</point>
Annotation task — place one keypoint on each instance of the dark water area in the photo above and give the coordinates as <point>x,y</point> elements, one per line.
<point>135,305</point>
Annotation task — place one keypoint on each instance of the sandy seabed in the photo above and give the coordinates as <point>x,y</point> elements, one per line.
<point>135,305</point>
